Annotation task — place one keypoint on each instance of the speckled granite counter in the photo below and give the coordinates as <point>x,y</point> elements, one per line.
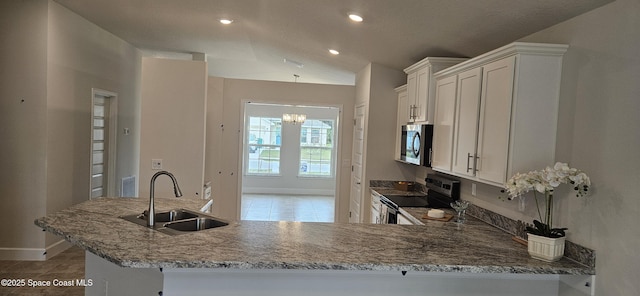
<point>440,247</point>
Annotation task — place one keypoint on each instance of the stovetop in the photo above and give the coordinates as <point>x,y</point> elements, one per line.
<point>408,200</point>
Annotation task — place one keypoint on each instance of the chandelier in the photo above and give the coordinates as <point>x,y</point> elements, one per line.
<point>294,118</point>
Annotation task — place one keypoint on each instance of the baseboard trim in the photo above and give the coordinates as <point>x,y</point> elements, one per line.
<point>287,191</point>
<point>34,254</point>
<point>57,248</point>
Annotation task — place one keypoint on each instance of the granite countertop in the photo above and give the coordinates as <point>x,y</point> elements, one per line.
<point>438,247</point>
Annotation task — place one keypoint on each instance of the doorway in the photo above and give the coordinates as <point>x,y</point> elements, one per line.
<point>289,166</point>
<point>103,143</point>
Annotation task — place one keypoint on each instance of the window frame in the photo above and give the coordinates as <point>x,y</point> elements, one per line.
<point>259,146</point>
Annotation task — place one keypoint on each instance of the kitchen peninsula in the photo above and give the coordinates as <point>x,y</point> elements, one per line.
<point>287,258</point>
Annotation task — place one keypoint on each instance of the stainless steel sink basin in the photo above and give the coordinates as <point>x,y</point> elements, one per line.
<point>178,221</point>
<point>175,215</point>
<point>195,224</point>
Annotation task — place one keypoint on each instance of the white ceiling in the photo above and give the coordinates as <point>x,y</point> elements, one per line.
<point>395,33</point>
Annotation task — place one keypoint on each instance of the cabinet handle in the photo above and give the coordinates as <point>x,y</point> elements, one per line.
<point>411,112</point>
<point>468,157</point>
<point>475,164</point>
<point>430,155</point>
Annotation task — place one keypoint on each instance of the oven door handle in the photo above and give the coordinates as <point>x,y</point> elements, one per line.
<point>388,203</point>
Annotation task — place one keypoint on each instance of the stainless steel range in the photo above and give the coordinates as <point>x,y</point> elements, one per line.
<point>392,203</point>
<point>441,191</point>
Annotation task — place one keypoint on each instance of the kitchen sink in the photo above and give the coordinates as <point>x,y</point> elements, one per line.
<point>175,215</point>
<point>177,221</point>
<point>195,224</point>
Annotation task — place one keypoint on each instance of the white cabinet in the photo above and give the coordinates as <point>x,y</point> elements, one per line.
<point>376,209</point>
<point>466,122</point>
<point>505,116</point>
<point>420,88</point>
<point>402,117</point>
<point>495,121</point>
<point>445,103</point>
<point>401,219</point>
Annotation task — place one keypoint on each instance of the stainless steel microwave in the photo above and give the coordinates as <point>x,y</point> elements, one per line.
<point>416,144</point>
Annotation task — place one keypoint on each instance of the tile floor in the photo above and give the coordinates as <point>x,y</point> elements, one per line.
<point>303,208</point>
<point>66,266</point>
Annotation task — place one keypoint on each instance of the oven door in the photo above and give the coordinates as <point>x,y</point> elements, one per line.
<point>391,212</point>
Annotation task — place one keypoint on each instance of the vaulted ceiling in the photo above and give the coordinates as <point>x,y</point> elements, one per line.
<point>265,33</point>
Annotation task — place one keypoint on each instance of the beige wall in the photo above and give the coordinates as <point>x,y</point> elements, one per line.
<point>23,127</point>
<point>224,121</point>
<point>54,61</point>
<point>598,132</point>
<point>375,86</point>
<point>173,116</point>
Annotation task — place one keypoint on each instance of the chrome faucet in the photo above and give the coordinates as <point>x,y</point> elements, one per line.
<point>151,215</point>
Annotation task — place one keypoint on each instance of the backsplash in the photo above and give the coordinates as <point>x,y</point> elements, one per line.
<point>385,183</point>
<point>572,251</point>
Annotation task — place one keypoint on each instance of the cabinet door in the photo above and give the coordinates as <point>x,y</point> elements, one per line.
<point>412,93</point>
<point>403,118</point>
<point>375,216</point>
<point>466,123</point>
<point>421,103</point>
<point>403,220</point>
<point>443,123</point>
<point>495,120</point>
<point>403,108</point>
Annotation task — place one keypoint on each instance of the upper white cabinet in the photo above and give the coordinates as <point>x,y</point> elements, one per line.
<point>505,112</point>
<point>445,103</point>
<point>420,88</point>
<point>403,117</point>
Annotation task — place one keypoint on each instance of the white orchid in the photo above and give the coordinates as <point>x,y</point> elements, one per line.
<point>547,179</point>
<point>544,181</point>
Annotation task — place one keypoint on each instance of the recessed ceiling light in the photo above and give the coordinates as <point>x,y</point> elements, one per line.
<point>355,18</point>
<point>226,21</point>
<point>334,52</point>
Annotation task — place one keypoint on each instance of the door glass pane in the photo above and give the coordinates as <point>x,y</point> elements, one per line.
<point>97,169</point>
<point>96,192</point>
<point>316,148</point>
<point>98,134</point>
<point>98,111</point>
<point>97,157</point>
<point>264,137</point>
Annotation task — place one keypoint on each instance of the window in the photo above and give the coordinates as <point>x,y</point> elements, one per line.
<point>316,148</point>
<point>264,138</point>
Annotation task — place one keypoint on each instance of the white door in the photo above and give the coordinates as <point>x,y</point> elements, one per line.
<point>466,130</point>
<point>357,157</point>
<point>443,123</point>
<point>103,128</point>
<point>495,120</point>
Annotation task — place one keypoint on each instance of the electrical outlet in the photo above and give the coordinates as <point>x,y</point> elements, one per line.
<point>473,189</point>
<point>156,164</point>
